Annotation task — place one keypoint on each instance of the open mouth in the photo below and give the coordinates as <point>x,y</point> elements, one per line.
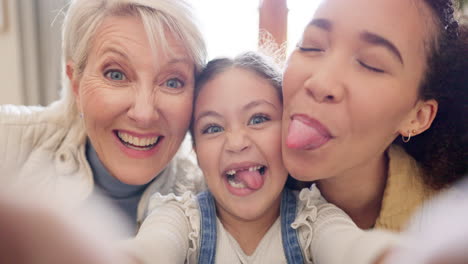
<point>138,143</point>
<point>247,177</point>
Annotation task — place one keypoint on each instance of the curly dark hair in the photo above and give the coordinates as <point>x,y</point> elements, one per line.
<point>442,149</point>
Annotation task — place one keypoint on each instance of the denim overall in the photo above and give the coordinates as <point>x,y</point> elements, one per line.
<point>208,234</point>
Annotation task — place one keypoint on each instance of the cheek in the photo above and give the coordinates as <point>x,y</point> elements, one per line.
<point>293,77</point>
<point>379,109</point>
<point>271,143</point>
<point>208,160</point>
<point>288,84</point>
<point>103,104</point>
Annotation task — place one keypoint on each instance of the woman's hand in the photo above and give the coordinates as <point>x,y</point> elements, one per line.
<point>34,233</point>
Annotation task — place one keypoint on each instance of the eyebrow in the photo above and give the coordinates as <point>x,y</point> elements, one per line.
<point>375,39</point>
<point>182,60</point>
<point>256,103</point>
<point>113,50</point>
<point>366,36</point>
<point>172,61</point>
<point>248,106</point>
<point>321,23</point>
<point>208,113</point>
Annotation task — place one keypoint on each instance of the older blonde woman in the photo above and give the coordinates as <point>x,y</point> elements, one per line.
<point>128,76</point>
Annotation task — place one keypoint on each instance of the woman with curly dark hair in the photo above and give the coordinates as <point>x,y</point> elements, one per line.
<point>375,106</point>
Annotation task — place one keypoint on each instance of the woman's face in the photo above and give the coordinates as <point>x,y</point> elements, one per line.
<point>238,143</point>
<point>136,101</point>
<point>351,86</point>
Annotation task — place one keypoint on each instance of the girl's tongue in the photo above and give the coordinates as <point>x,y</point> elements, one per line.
<point>251,179</point>
<point>304,136</point>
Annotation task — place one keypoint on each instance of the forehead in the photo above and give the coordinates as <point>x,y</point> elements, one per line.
<point>236,86</point>
<point>404,22</point>
<point>128,34</point>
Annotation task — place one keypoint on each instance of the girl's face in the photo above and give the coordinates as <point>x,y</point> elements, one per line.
<point>351,86</point>
<point>238,143</point>
<point>136,101</point>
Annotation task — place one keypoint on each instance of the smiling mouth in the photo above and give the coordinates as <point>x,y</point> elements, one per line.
<point>138,143</point>
<point>249,177</point>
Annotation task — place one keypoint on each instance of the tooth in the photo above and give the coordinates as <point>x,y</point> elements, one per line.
<point>235,184</point>
<point>122,136</point>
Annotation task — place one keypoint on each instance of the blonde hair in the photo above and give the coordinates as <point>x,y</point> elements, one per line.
<point>158,16</point>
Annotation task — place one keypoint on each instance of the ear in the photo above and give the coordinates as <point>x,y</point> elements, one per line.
<point>420,119</point>
<point>74,82</point>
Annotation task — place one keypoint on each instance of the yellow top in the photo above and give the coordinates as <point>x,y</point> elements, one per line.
<point>404,193</point>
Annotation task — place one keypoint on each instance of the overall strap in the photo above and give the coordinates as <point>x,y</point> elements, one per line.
<point>292,248</point>
<point>208,235</point>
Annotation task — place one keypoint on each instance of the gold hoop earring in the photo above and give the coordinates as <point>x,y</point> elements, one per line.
<point>407,139</point>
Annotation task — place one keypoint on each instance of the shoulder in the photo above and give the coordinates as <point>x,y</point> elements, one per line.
<point>22,115</point>
<point>184,208</point>
<point>40,143</point>
<point>34,124</point>
<point>174,217</point>
<point>313,212</point>
<point>405,190</point>
<point>186,202</point>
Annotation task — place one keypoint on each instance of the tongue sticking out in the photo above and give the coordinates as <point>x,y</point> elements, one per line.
<point>303,136</point>
<point>252,179</point>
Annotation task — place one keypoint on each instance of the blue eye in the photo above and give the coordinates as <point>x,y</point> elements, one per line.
<point>174,83</point>
<point>212,129</point>
<point>258,119</point>
<point>115,75</point>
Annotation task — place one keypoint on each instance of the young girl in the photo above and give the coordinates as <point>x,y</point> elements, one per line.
<point>247,216</point>
<point>358,82</point>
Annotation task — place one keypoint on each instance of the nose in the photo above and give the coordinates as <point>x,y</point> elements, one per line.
<point>325,83</point>
<point>144,110</point>
<point>237,141</point>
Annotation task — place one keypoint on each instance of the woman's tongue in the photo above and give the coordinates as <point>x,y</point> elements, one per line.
<point>304,136</point>
<point>251,179</point>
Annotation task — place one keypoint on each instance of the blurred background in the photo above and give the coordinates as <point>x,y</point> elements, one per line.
<point>30,38</point>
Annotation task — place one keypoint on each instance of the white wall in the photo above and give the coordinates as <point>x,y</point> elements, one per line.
<point>10,71</point>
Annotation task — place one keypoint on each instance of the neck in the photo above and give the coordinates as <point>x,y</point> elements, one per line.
<point>248,233</point>
<point>359,192</point>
